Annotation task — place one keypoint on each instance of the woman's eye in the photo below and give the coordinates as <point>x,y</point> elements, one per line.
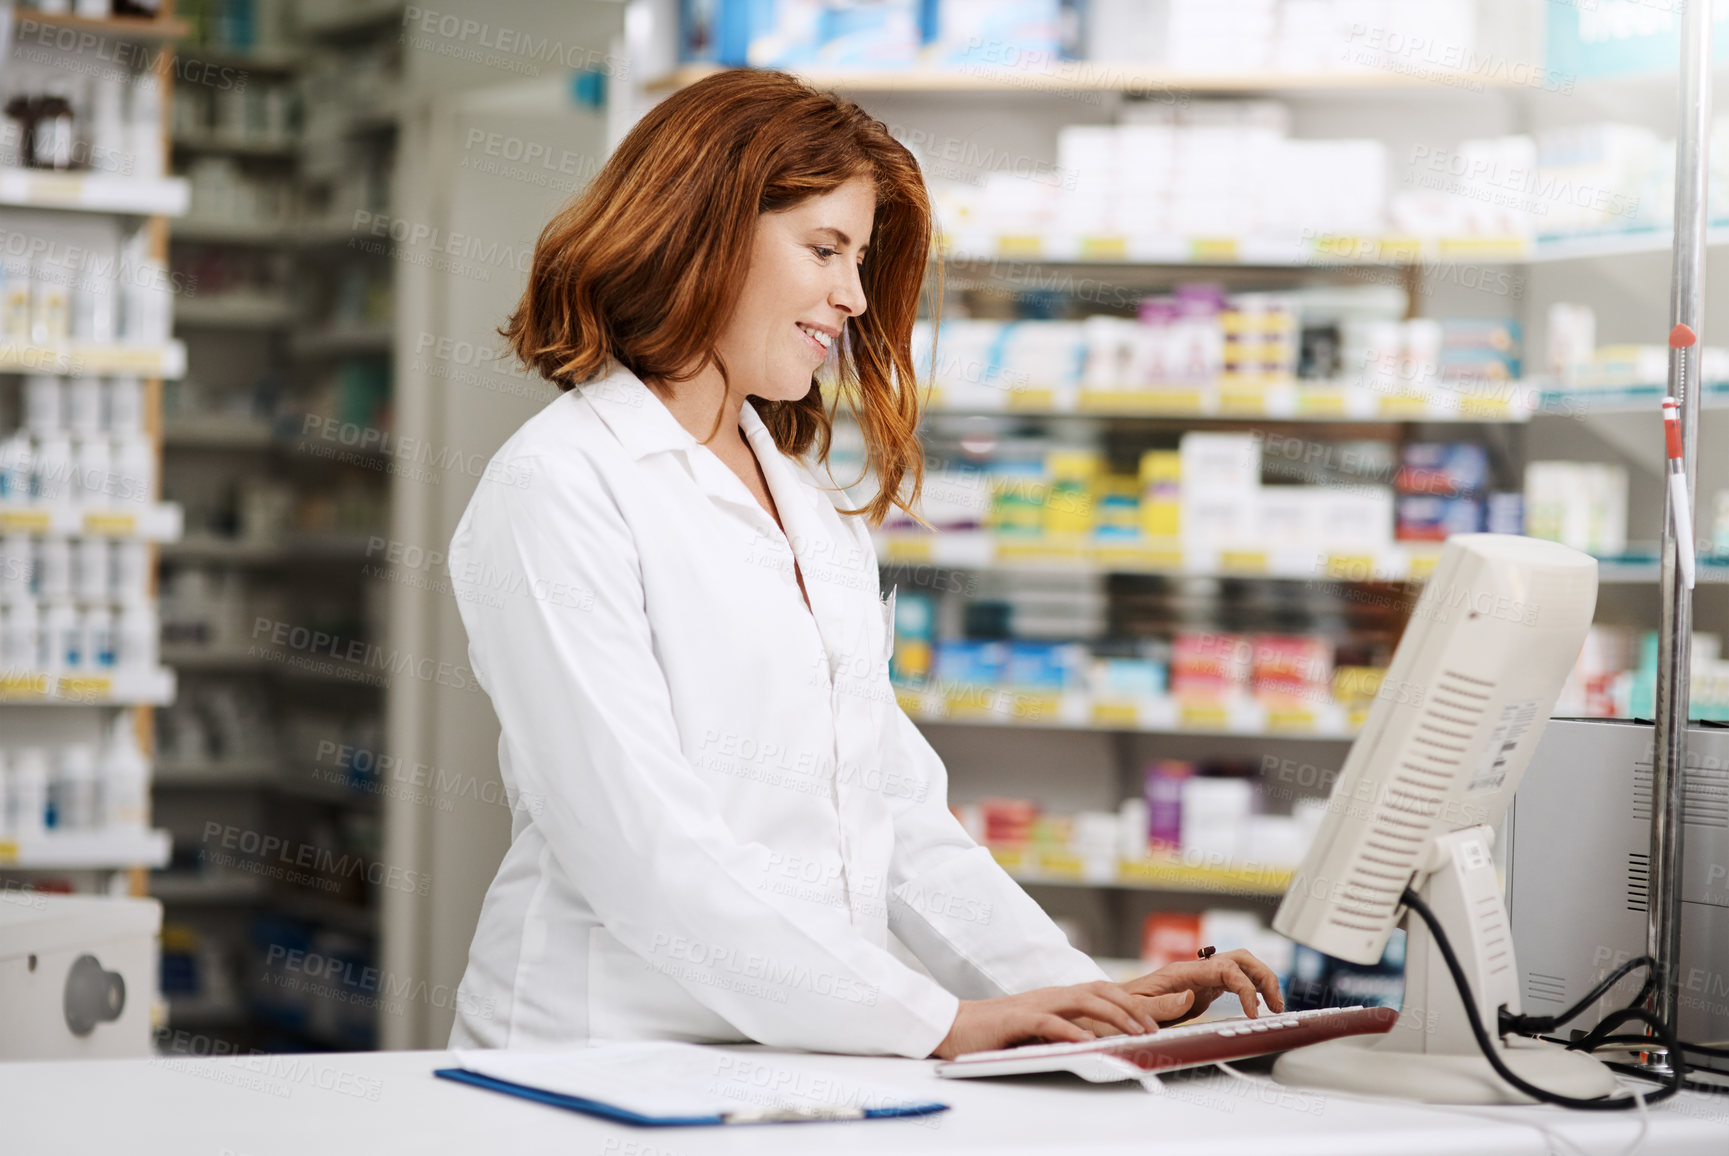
<point>824,253</point>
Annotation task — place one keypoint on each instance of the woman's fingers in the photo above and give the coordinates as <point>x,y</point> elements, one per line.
<point>1128,1001</point>
<point>1229,976</point>
<point>1093,1004</point>
<point>1170,1008</point>
<point>1264,977</point>
<point>1045,1025</point>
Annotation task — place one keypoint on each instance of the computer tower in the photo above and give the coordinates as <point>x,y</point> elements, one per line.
<point>1577,852</point>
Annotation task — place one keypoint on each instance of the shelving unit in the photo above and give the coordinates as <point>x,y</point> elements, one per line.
<point>53,709</point>
<point>295,318</point>
<point>995,735</point>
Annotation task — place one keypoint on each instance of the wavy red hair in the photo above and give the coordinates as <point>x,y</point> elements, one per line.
<point>642,266</point>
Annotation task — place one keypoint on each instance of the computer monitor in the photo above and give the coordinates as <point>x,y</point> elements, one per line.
<point>1489,645</point>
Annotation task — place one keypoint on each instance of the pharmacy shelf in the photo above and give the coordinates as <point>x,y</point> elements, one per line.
<point>1069,710</point>
<point>234,311</point>
<point>1621,399</point>
<point>229,232</point>
<point>1061,868</point>
<point>234,146</point>
<point>217,431</point>
<point>983,550</point>
<point>156,522</point>
<point>343,341</point>
<point>214,773</point>
<point>94,192</point>
<point>117,688</point>
<point>101,849</point>
<point>192,888</point>
<point>315,548</point>
<point>28,23</point>
<point>1620,243</point>
<point>1711,570</point>
<point>1103,76</point>
<point>975,246</point>
<point>245,59</point>
<point>1510,402</point>
<point>81,359</point>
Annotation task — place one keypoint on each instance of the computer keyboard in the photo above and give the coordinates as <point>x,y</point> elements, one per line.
<point>1169,1049</point>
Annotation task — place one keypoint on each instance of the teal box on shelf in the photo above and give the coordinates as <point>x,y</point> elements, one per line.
<point>800,33</point>
<point>967,662</point>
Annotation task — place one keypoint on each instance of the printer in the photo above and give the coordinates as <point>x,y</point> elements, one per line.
<point>77,975</point>
<point>1578,845</point>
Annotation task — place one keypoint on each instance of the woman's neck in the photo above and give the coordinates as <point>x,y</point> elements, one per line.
<point>694,404</point>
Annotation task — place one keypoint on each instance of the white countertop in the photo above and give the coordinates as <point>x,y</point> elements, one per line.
<point>385,1103</point>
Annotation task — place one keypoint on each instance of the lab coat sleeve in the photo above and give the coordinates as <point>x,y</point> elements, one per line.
<point>954,906</point>
<point>570,666</point>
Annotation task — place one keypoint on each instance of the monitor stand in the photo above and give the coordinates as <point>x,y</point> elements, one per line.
<point>1430,1053</point>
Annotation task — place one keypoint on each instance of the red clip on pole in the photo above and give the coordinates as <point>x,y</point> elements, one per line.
<point>1678,480</point>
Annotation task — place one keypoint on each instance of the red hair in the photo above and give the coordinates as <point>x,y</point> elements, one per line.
<point>643,266</point>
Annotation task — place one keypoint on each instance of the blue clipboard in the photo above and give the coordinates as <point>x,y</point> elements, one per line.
<point>612,1112</point>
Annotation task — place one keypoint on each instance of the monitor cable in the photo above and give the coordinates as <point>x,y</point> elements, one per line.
<point>1490,1053</point>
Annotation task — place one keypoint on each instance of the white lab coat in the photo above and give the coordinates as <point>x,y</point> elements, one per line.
<point>722,813</point>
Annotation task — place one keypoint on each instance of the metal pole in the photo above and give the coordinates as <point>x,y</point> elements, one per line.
<point>1675,629</point>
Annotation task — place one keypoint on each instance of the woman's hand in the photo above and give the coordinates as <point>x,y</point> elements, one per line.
<point>1052,1015</point>
<point>1201,981</point>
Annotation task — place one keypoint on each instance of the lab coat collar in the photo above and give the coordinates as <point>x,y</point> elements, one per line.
<point>643,425</point>
<point>636,416</point>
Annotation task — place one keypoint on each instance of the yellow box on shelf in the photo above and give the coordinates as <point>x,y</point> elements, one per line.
<point>1031,399</point>
<point>1493,248</point>
<point>910,699</point>
<point>1407,406</point>
<point>1020,245</point>
<point>1151,555</point>
<point>1043,548</point>
<point>913,546</point>
<point>1213,250</point>
<point>1423,564</point>
<point>26,520</point>
<point>970,701</point>
<point>1030,706</point>
<point>8,854</point>
<point>1203,716</point>
<point>1061,864</point>
<point>1243,562</point>
<point>1321,401</point>
<point>1116,713</point>
<point>1102,247</point>
<point>1009,858</point>
<point>84,686</point>
<point>1486,408</point>
<point>1350,567</point>
<point>1287,719</point>
<point>1175,401</point>
<point>1177,875</point>
<point>23,685</point>
<point>110,522</point>
<point>1242,401</point>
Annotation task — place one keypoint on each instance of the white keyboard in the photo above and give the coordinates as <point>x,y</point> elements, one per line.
<point>1189,1045</point>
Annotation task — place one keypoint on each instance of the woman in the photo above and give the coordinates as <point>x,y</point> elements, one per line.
<point>741,836</point>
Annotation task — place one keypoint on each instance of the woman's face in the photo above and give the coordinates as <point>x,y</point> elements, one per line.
<point>802,285</point>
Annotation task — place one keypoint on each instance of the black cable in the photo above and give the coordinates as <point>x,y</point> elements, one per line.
<point>1528,1025</point>
<point>1605,1104</point>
